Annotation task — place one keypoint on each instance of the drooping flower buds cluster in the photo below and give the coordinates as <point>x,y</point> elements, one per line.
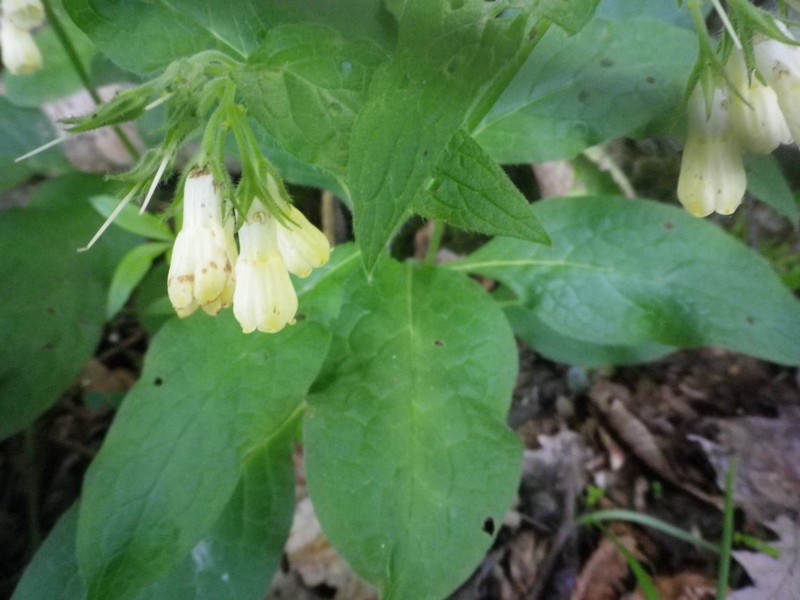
<point>21,55</point>
<point>748,116</point>
<point>206,272</point>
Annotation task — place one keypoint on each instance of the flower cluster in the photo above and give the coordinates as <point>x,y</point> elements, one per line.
<point>745,115</point>
<point>21,56</point>
<point>207,273</point>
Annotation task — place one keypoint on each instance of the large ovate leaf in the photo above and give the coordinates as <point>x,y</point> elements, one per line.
<point>304,85</point>
<point>407,453</point>
<point>471,191</point>
<point>53,306</point>
<point>235,559</point>
<point>163,31</point>
<point>613,78</point>
<point>560,347</point>
<point>208,399</point>
<point>53,571</point>
<point>627,273</point>
<point>449,58</point>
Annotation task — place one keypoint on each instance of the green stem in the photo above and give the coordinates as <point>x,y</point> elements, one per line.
<point>727,533</point>
<point>72,54</point>
<point>436,241</point>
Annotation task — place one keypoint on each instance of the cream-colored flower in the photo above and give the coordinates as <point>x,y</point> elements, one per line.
<point>264,298</point>
<point>21,55</point>
<point>25,14</point>
<point>303,246</point>
<point>779,64</point>
<point>202,270</point>
<point>756,118</point>
<point>712,174</point>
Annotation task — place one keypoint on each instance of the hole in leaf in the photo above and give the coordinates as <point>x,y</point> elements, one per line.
<point>488,525</point>
<point>158,381</point>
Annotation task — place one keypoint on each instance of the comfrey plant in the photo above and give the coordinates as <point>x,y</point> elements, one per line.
<point>394,375</point>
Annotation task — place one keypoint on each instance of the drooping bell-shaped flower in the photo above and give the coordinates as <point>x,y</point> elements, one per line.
<point>779,64</point>
<point>202,270</point>
<point>264,298</point>
<point>755,115</point>
<point>21,55</point>
<point>25,14</point>
<point>712,174</point>
<point>303,246</point>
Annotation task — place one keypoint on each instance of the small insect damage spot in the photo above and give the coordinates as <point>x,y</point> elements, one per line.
<point>438,343</point>
<point>158,382</point>
<point>488,525</point>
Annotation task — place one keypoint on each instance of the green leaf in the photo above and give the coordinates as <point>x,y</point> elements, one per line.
<point>165,30</point>
<point>671,12</point>
<point>53,572</point>
<point>320,294</point>
<point>208,399</point>
<point>570,16</point>
<point>560,347</point>
<point>628,273</point>
<point>236,560</point>
<point>449,61</point>
<point>22,130</point>
<point>54,305</point>
<point>130,272</point>
<point>765,180</point>
<point>614,78</point>
<point>471,191</point>
<point>304,85</point>
<point>129,219</point>
<point>407,452</point>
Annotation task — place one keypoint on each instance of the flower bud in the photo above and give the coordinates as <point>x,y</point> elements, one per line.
<point>25,14</point>
<point>756,118</point>
<point>779,64</point>
<point>712,174</point>
<point>264,298</point>
<point>202,270</point>
<point>21,56</point>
